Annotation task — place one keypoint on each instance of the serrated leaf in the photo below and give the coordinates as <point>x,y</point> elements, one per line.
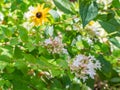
<point>88,11</point>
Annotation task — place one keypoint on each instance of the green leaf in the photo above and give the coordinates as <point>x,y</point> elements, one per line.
<point>63,5</point>
<point>84,87</point>
<point>19,81</point>
<point>56,84</point>
<point>62,63</point>
<point>88,11</point>
<point>44,63</point>
<point>18,53</point>
<point>90,82</point>
<point>115,80</point>
<point>115,42</point>
<point>110,26</point>
<point>30,46</point>
<point>5,58</point>
<point>75,86</point>
<point>56,72</point>
<point>110,15</point>
<point>23,34</point>
<point>14,41</point>
<point>9,68</point>
<point>21,65</point>
<point>106,67</point>
<point>3,65</point>
<point>65,79</point>
<point>6,31</point>
<point>116,5</point>
<point>30,58</point>
<point>2,82</point>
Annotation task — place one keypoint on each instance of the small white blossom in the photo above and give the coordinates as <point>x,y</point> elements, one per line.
<point>85,66</point>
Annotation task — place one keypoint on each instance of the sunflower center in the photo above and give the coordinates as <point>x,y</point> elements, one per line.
<point>38,14</point>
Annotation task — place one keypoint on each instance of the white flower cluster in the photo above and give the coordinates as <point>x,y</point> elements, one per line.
<point>29,13</point>
<point>55,45</point>
<point>95,29</point>
<point>28,25</point>
<point>105,2</point>
<point>85,66</point>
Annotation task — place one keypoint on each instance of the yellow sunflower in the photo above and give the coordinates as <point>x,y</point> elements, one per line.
<point>40,15</point>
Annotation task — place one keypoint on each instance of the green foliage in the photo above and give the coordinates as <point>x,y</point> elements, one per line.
<point>40,57</point>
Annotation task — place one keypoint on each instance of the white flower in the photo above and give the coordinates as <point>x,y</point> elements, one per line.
<point>48,41</point>
<point>1,17</point>
<point>27,25</point>
<point>105,2</point>
<point>55,45</point>
<point>95,29</point>
<point>77,60</point>
<point>59,12</point>
<point>97,65</point>
<point>28,14</point>
<point>65,51</point>
<point>31,8</point>
<point>89,41</point>
<point>85,66</point>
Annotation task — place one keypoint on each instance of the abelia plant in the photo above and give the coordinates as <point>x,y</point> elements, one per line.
<point>59,45</point>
